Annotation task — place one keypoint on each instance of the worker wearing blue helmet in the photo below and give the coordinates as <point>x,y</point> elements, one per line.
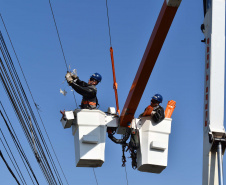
<point>154,109</point>
<point>87,90</point>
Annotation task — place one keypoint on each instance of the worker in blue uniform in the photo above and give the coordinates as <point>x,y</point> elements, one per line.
<point>87,90</point>
<point>154,109</point>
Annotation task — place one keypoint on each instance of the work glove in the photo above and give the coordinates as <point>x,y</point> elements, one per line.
<point>69,78</point>
<point>74,76</point>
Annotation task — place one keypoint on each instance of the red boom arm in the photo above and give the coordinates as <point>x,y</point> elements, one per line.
<point>148,61</point>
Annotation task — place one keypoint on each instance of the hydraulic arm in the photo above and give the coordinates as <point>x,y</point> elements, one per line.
<point>162,26</point>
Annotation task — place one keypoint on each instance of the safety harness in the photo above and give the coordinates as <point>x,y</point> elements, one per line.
<point>89,104</point>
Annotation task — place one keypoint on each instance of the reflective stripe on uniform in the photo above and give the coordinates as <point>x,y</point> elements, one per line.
<point>89,102</point>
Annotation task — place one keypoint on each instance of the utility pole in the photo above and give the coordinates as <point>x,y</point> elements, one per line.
<point>213,128</point>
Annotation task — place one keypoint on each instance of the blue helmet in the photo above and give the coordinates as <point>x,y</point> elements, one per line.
<point>158,97</point>
<point>97,77</point>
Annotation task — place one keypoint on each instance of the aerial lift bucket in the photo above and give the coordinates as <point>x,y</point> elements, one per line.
<point>89,130</point>
<point>89,134</point>
<point>152,155</point>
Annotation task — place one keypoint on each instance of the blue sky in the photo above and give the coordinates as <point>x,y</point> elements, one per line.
<point>178,75</point>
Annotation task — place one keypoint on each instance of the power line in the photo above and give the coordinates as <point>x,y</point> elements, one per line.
<point>95,176</point>
<point>19,174</point>
<point>111,47</point>
<point>126,176</point>
<point>18,146</point>
<point>14,104</point>
<point>46,168</point>
<point>65,62</point>
<point>58,35</point>
<point>9,167</point>
<point>32,95</point>
<point>34,103</point>
<point>12,156</point>
<point>60,43</point>
<point>108,23</point>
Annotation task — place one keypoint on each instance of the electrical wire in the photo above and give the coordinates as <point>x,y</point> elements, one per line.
<point>45,166</point>
<point>9,167</point>
<point>19,149</point>
<point>75,100</point>
<point>16,108</point>
<point>60,43</point>
<point>50,179</point>
<point>19,118</point>
<point>95,176</point>
<point>19,174</point>
<point>12,156</point>
<point>33,97</point>
<point>108,23</point>
<point>18,145</point>
<point>58,34</point>
<point>48,155</point>
<point>109,29</point>
<point>65,61</point>
<point>125,165</point>
<point>126,176</point>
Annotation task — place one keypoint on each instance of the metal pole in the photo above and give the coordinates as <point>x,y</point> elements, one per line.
<point>220,162</point>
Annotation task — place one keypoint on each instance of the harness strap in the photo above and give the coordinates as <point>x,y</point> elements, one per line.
<point>89,103</point>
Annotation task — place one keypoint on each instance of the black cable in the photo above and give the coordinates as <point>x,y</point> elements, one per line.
<point>126,177</point>
<point>12,156</point>
<point>19,174</point>
<point>15,140</point>
<point>33,97</point>
<point>27,103</point>
<point>58,34</point>
<point>8,167</point>
<point>60,41</point>
<point>123,140</point>
<point>75,100</point>
<point>108,23</point>
<point>124,160</point>
<point>19,148</point>
<point>18,114</point>
<point>95,176</point>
